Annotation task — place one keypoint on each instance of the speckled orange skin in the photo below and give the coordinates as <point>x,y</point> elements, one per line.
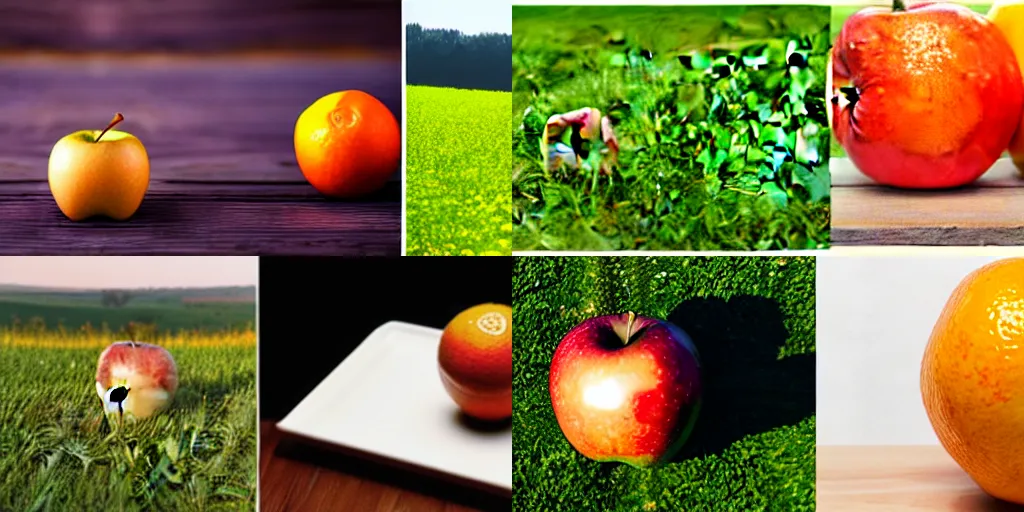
<point>940,94</point>
<point>348,144</point>
<point>633,403</point>
<point>972,378</point>
<point>475,361</point>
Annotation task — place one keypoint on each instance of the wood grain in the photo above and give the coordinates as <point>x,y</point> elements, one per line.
<point>218,132</point>
<point>203,225</point>
<point>295,477</point>
<point>989,212</point>
<point>896,478</point>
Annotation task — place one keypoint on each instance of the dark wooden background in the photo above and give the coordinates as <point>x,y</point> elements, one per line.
<point>213,89</point>
<point>198,25</point>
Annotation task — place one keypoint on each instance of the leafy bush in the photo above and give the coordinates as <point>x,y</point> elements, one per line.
<point>720,113</point>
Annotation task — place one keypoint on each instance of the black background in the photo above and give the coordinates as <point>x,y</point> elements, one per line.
<point>315,311</point>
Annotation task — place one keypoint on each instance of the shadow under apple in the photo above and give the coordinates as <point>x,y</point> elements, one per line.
<point>747,388</point>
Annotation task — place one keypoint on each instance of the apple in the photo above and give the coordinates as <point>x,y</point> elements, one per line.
<point>99,173</point>
<point>925,97</point>
<point>626,388</point>
<point>135,379</point>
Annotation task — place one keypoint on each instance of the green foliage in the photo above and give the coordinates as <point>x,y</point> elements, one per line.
<point>73,311</point>
<point>764,469</point>
<point>457,173</point>
<point>58,452</point>
<point>724,144</point>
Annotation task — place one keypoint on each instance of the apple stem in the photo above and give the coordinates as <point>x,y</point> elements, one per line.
<point>630,319</point>
<point>113,122</point>
<point>898,6</point>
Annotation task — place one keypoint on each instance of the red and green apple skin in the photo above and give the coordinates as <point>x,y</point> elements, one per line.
<point>147,373</point>
<point>626,388</point>
<point>926,96</point>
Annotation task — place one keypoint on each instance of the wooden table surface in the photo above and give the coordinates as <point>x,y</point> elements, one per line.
<point>295,476</point>
<point>897,478</point>
<point>988,212</point>
<point>218,130</point>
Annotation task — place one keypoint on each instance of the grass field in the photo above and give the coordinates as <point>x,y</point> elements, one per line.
<point>457,172</point>
<point>709,159</point>
<point>58,452</point>
<point>752,320</point>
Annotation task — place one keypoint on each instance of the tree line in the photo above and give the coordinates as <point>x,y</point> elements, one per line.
<point>449,58</point>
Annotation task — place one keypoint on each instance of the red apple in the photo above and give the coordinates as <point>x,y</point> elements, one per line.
<point>926,96</point>
<point>626,388</point>
<point>136,379</point>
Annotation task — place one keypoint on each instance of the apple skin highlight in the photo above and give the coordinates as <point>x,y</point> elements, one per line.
<point>626,390</point>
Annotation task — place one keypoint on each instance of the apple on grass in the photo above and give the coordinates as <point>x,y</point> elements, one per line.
<point>135,380</point>
<point>626,388</point>
<point>99,173</point>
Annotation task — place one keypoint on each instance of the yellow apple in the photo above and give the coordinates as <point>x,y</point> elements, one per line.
<point>99,173</point>
<point>1008,15</point>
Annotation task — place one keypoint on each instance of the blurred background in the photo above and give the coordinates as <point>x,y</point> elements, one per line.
<point>198,25</point>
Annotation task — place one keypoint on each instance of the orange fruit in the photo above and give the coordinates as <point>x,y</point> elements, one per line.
<point>347,144</point>
<point>475,359</point>
<point>972,378</point>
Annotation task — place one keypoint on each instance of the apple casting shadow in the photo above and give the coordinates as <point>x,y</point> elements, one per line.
<point>748,389</point>
<point>478,426</point>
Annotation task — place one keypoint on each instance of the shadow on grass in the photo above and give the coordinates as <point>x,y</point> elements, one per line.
<point>747,388</point>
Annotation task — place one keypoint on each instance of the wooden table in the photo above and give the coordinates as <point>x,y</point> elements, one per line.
<point>296,476</point>
<point>897,478</point>
<point>988,212</point>
<point>218,130</point>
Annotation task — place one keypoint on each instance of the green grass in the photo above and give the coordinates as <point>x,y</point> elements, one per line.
<point>57,452</point>
<point>752,320</point>
<point>698,168</point>
<point>73,312</point>
<point>457,172</point>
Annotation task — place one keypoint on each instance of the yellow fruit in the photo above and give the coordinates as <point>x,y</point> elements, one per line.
<point>972,378</point>
<point>1009,17</point>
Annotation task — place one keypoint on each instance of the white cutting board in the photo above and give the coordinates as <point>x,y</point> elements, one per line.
<point>386,400</point>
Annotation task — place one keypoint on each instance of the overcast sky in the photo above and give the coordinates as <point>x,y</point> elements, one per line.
<point>468,16</point>
<point>129,271</point>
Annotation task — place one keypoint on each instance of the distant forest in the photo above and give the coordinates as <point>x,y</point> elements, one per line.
<point>449,58</point>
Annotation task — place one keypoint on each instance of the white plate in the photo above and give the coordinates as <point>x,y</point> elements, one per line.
<point>386,400</point>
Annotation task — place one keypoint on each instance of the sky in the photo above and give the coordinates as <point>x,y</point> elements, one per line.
<point>89,272</point>
<point>468,16</point>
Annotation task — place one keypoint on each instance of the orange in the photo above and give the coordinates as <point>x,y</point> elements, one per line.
<point>347,144</point>
<point>972,378</point>
<point>475,359</point>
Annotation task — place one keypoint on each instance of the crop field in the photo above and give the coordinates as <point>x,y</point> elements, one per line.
<point>753,323</point>
<point>719,117</point>
<point>59,452</point>
<point>458,168</point>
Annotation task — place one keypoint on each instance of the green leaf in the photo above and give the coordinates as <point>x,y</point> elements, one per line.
<point>818,183</point>
<point>776,195</point>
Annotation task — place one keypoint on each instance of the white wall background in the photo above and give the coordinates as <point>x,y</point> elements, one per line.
<point>874,317</point>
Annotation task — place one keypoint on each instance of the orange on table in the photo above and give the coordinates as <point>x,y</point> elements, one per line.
<point>475,359</point>
<point>348,144</point>
<point>972,378</point>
